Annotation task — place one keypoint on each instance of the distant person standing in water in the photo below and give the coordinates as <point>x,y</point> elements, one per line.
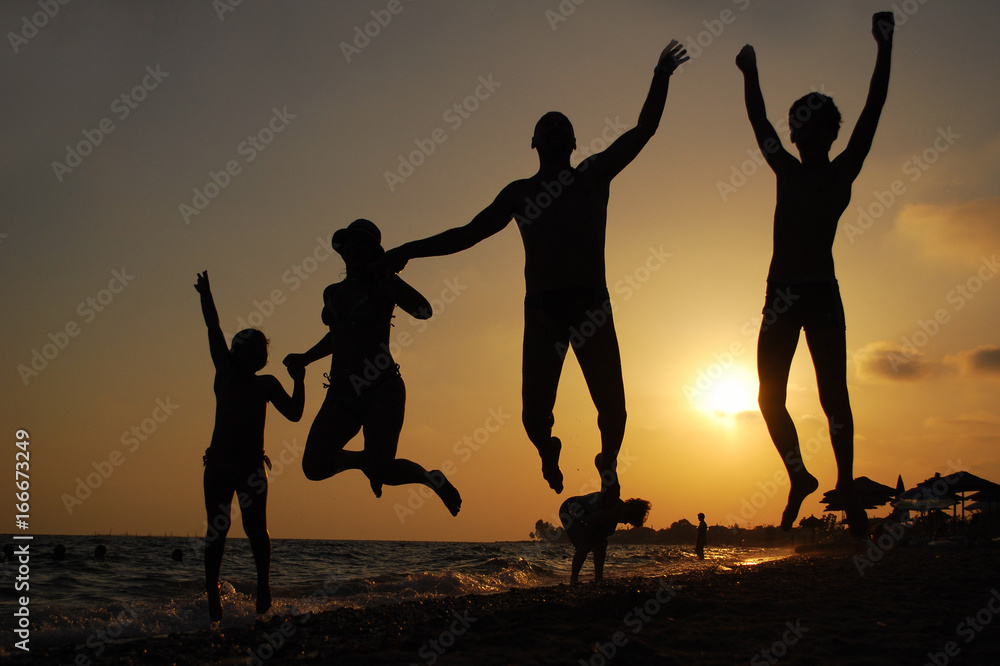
<point>561,214</point>
<point>802,290</point>
<point>366,390</point>
<point>234,462</point>
<point>702,539</point>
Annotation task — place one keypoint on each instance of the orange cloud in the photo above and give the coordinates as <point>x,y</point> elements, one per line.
<point>961,232</point>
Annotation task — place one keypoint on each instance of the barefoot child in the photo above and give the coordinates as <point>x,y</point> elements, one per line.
<point>588,525</point>
<point>802,290</point>
<point>234,462</point>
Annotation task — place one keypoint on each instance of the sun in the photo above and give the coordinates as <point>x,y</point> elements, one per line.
<point>730,393</point>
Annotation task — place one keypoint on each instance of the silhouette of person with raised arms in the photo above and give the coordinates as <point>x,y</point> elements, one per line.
<point>235,460</point>
<point>561,213</point>
<point>589,520</point>
<point>366,390</point>
<point>802,290</point>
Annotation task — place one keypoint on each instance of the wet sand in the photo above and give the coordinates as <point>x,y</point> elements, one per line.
<point>908,606</point>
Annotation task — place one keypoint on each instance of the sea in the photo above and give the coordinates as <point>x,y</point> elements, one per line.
<point>146,586</point>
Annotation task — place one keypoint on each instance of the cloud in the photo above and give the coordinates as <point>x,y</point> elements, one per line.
<point>953,233</point>
<point>747,415</point>
<point>889,361</point>
<point>984,359</point>
<point>974,421</point>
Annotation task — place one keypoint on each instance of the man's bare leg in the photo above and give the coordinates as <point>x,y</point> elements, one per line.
<point>542,360</point>
<point>600,361</point>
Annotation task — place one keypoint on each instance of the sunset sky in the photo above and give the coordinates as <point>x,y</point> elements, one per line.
<point>145,142</point>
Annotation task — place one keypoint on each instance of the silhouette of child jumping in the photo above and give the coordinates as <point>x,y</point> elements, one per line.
<point>589,522</point>
<point>561,213</point>
<point>235,460</point>
<point>802,290</point>
<point>365,390</point>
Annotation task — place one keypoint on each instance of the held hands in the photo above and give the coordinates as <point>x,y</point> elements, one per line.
<point>394,261</point>
<point>295,363</point>
<point>202,285</point>
<point>746,60</point>
<point>672,57</point>
<point>883,25</point>
<point>296,372</point>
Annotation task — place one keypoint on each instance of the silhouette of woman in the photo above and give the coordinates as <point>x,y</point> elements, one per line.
<point>802,290</point>
<point>234,462</point>
<point>365,389</point>
<point>589,520</point>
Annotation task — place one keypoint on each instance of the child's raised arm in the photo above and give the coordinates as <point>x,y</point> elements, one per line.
<point>216,339</point>
<point>883,26</point>
<point>767,137</point>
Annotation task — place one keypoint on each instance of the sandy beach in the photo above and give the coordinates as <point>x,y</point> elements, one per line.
<point>905,606</point>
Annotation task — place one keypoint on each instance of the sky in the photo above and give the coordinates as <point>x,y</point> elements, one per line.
<point>145,142</point>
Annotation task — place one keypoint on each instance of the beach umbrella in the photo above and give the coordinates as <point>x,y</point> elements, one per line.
<point>989,496</point>
<point>958,483</point>
<point>985,505</point>
<point>812,522</point>
<point>870,493</point>
<point>985,500</point>
<point>924,498</point>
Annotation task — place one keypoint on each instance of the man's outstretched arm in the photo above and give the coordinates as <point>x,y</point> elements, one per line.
<point>767,138</point>
<point>489,221</point>
<point>883,26</point>
<point>620,153</point>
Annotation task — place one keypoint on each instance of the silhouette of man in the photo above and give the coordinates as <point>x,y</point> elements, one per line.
<point>561,213</point>
<point>699,544</point>
<point>802,290</point>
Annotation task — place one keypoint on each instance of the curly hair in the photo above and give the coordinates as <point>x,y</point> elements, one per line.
<point>635,511</point>
<point>817,112</point>
<point>249,347</point>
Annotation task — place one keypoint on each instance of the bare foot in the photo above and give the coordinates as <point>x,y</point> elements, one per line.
<point>376,487</point>
<point>448,493</point>
<point>214,606</point>
<point>857,518</point>
<point>611,489</point>
<point>263,598</point>
<point>801,488</point>
<point>550,464</point>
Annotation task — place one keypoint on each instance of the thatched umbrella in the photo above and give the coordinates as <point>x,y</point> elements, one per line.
<point>958,484</point>
<point>812,522</point>
<point>985,500</point>
<point>870,493</point>
<point>923,499</point>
